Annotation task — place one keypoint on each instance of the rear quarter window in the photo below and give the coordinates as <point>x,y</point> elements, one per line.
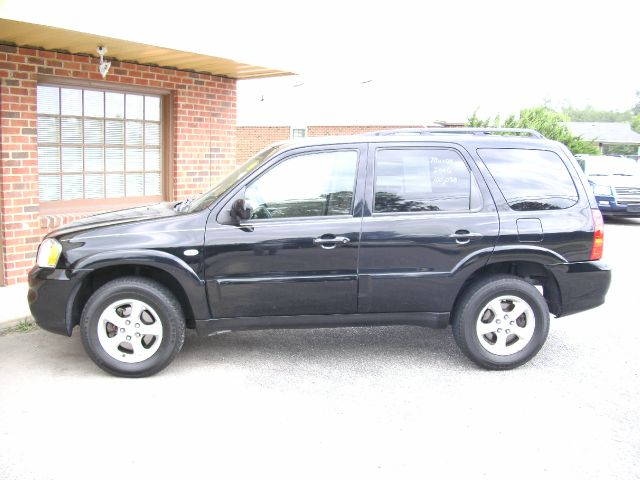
<point>531,179</point>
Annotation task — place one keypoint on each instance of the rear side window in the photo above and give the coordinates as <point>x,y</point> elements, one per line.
<point>421,180</point>
<point>531,179</point>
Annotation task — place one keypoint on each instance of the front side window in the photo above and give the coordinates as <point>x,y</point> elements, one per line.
<point>95,144</point>
<point>530,179</point>
<point>308,185</point>
<point>421,180</point>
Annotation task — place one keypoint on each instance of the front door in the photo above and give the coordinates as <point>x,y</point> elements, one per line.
<point>429,219</point>
<point>297,254</point>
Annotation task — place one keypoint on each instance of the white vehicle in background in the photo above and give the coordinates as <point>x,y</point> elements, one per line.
<point>615,182</point>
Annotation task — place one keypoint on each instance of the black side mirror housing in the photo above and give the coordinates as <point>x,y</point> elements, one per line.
<point>241,210</point>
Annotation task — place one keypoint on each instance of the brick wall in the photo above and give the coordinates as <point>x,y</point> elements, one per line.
<point>319,131</point>
<point>251,140</point>
<point>203,128</point>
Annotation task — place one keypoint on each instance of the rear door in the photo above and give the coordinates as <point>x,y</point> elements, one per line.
<point>430,221</point>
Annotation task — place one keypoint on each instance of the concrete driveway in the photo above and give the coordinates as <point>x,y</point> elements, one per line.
<point>350,403</point>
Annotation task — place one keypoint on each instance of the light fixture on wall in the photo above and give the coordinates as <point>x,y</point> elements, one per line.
<point>104,66</point>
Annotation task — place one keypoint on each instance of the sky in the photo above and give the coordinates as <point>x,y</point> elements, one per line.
<point>387,62</point>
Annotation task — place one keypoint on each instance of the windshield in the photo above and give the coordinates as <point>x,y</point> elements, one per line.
<point>611,166</point>
<point>225,183</point>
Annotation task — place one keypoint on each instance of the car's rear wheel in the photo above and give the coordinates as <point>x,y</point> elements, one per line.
<point>132,327</point>
<point>501,322</point>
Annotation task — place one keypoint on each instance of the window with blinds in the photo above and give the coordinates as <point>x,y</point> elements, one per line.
<point>95,144</point>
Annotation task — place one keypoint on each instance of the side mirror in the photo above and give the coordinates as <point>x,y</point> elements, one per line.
<point>241,209</point>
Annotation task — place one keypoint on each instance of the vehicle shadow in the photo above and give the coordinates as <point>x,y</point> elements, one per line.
<point>300,354</point>
<point>622,221</point>
<point>364,348</point>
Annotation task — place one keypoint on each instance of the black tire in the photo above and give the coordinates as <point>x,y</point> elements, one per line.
<point>469,327</point>
<point>162,307</point>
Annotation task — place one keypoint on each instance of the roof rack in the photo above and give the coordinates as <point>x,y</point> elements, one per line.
<point>456,130</point>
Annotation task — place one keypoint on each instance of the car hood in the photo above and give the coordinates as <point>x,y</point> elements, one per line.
<point>616,180</point>
<point>129,215</point>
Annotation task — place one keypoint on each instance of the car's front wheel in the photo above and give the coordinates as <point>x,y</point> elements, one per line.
<point>501,322</point>
<point>132,327</point>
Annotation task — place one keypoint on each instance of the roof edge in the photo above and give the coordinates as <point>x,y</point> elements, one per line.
<point>44,37</point>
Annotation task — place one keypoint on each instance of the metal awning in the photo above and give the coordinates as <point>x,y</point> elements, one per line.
<point>51,38</point>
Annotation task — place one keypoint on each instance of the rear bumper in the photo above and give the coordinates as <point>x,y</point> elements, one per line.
<point>51,295</point>
<point>583,285</point>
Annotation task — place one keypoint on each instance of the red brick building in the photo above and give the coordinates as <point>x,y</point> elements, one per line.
<point>160,125</point>
<point>252,139</point>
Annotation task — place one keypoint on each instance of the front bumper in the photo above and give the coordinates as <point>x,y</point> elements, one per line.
<point>612,206</point>
<point>623,212</point>
<point>583,285</point>
<point>51,296</point>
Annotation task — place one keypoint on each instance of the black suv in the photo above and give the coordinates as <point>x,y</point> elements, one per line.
<point>478,229</point>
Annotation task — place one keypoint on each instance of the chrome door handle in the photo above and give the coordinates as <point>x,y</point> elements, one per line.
<point>330,242</point>
<point>464,236</point>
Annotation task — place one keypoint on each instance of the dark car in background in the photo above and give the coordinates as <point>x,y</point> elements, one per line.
<point>475,229</point>
<point>615,181</point>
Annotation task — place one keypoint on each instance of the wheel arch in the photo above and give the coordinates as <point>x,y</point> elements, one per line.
<point>169,271</point>
<point>530,270</point>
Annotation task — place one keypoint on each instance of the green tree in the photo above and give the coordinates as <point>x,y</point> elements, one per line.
<point>475,121</point>
<point>590,114</point>
<point>635,121</point>
<point>620,149</point>
<point>636,108</point>
<point>546,121</point>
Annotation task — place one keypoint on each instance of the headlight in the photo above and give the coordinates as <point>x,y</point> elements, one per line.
<point>49,253</point>
<point>602,190</point>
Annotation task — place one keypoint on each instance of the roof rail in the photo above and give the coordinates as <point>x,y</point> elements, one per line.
<point>457,130</point>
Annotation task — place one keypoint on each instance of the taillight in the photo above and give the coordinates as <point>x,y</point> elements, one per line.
<point>598,235</point>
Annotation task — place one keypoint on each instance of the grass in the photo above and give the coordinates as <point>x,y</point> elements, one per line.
<point>25,325</point>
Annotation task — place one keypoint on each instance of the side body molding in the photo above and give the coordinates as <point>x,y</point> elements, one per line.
<point>525,253</point>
